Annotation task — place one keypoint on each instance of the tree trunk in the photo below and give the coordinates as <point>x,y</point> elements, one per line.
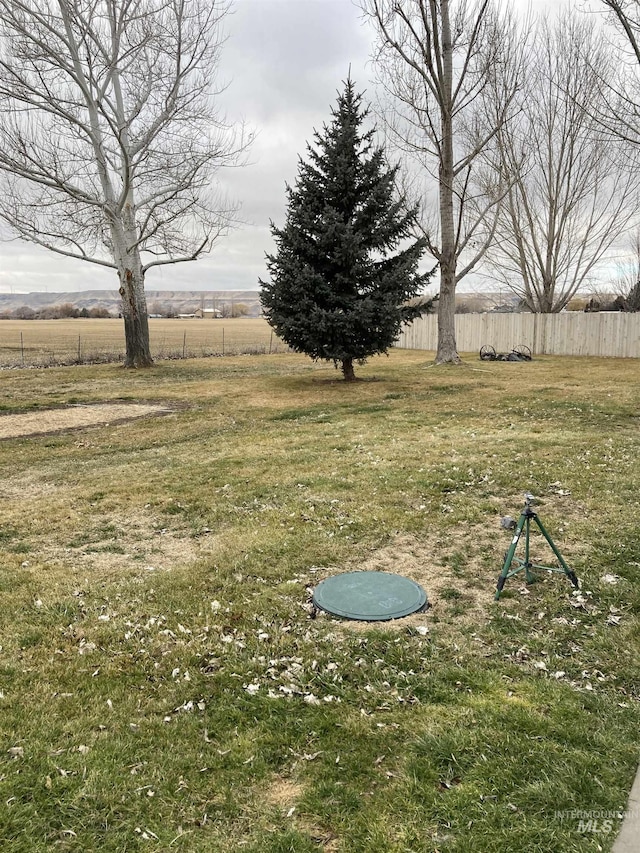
<point>347,370</point>
<point>136,321</point>
<point>134,302</point>
<point>447,351</point>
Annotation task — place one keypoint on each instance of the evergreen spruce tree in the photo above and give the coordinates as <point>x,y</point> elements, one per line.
<point>346,264</point>
<point>633,298</point>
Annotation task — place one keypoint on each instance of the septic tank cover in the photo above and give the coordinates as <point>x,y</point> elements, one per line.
<point>369,596</point>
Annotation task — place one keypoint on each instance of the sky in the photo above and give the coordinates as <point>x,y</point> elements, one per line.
<point>284,61</point>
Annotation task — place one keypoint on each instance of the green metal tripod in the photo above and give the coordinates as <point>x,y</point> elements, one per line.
<point>528,515</point>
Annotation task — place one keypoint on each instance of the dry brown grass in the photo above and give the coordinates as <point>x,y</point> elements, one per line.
<point>74,417</point>
<point>155,577</point>
<point>61,341</point>
<point>457,598</point>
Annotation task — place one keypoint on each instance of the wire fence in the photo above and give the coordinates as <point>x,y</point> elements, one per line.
<point>42,343</point>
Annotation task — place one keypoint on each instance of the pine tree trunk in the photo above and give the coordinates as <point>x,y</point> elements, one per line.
<point>347,370</point>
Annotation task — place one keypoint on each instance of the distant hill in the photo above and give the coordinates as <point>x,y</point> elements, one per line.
<point>158,301</point>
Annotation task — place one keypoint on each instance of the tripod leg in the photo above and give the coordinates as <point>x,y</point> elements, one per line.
<point>527,553</point>
<point>509,556</point>
<point>568,572</point>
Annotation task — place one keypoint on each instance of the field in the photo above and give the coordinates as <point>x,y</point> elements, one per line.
<point>163,683</point>
<point>51,342</point>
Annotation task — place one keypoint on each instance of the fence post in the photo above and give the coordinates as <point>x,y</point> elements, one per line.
<point>270,342</point>
<point>22,348</point>
<point>184,344</point>
<point>223,340</point>
<point>79,350</point>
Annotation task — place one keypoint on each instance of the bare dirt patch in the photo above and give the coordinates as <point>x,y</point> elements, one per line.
<point>75,417</point>
<point>136,544</point>
<point>283,793</point>
<point>459,585</point>
<point>459,570</point>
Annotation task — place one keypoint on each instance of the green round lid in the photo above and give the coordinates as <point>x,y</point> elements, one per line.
<point>369,596</point>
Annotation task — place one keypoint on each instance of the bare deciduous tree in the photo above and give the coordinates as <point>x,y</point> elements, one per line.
<point>570,189</point>
<point>622,113</point>
<point>109,136</point>
<point>438,62</point>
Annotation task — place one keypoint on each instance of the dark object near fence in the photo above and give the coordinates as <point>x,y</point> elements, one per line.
<point>617,304</point>
<point>519,353</point>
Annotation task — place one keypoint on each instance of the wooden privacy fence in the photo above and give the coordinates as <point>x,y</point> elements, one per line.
<point>605,333</point>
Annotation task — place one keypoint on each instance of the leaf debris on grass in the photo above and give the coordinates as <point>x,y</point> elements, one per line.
<point>206,683</point>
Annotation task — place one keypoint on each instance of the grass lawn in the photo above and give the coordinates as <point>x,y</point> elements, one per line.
<point>163,686</point>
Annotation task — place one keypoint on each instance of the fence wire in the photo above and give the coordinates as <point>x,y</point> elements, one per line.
<point>32,345</point>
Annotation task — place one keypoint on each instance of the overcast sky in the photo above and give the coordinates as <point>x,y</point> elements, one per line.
<point>285,61</point>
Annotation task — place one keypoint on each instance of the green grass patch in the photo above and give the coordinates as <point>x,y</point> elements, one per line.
<point>163,686</point>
